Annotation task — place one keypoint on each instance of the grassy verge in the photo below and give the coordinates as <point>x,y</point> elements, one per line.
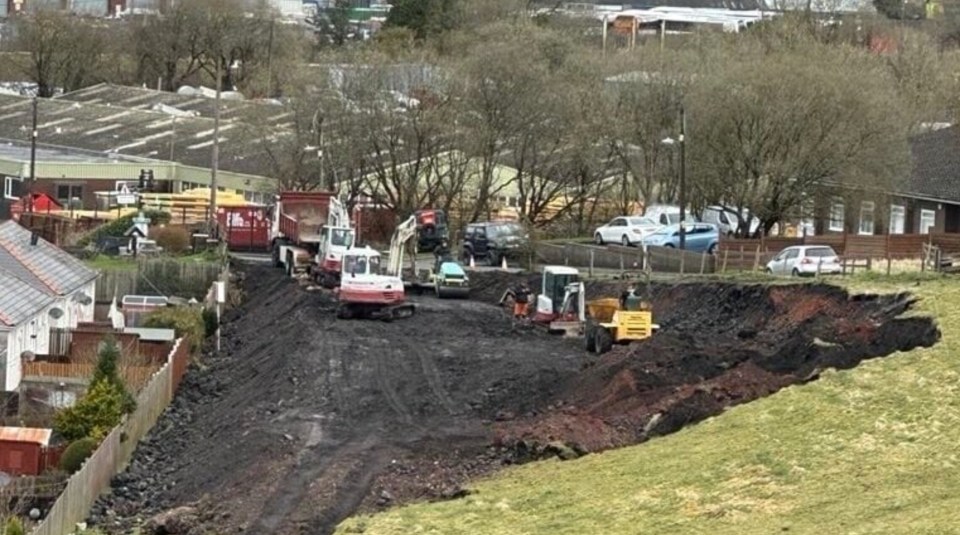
<point>868,450</point>
<point>106,262</point>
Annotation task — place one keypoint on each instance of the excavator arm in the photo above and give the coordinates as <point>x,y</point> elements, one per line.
<point>401,236</point>
<point>338,216</point>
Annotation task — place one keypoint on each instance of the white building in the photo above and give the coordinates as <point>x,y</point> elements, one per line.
<point>41,288</point>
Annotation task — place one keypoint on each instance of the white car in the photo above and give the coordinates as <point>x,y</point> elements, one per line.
<point>625,230</point>
<point>805,260</point>
<point>727,220</point>
<point>668,214</point>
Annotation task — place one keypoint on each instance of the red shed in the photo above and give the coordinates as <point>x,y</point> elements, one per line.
<point>23,450</point>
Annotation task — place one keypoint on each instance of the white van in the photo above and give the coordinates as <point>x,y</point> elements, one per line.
<point>668,214</point>
<point>727,220</point>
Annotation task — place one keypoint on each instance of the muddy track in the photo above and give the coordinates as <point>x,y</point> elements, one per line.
<point>303,419</point>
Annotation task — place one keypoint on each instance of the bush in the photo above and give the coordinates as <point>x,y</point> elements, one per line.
<point>186,321</point>
<point>95,415</point>
<point>174,240</point>
<point>76,453</point>
<point>104,405</point>
<point>14,526</point>
<point>120,225</point>
<point>210,323</point>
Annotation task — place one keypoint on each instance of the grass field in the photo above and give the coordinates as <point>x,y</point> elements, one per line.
<point>875,449</point>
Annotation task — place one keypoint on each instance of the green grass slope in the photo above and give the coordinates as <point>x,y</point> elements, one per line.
<point>875,449</point>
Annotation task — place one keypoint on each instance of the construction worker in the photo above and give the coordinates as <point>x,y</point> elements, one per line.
<point>520,293</point>
<point>630,300</point>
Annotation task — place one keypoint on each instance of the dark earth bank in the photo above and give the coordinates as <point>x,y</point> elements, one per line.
<point>303,419</point>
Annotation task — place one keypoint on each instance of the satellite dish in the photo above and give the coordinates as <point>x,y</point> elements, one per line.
<point>82,298</point>
<point>56,313</point>
<point>28,356</point>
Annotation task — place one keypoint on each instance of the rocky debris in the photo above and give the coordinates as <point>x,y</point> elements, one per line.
<point>178,521</point>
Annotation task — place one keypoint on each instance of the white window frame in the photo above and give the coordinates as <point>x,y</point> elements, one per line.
<point>931,216</point>
<point>8,187</point>
<point>867,225</point>
<point>898,219</point>
<point>837,216</point>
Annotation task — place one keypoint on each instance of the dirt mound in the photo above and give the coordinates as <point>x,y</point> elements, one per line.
<point>303,419</point>
<point>719,345</point>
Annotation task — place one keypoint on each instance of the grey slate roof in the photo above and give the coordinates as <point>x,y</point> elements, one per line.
<point>936,166</point>
<point>20,301</point>
<point>43,266</point>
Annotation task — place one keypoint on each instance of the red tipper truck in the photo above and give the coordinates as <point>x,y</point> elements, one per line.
<point>297,234</point>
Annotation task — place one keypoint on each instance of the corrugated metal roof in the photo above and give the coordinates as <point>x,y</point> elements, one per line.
<point>20,301</point>
<point>44,266</point>
<point>26,434</point>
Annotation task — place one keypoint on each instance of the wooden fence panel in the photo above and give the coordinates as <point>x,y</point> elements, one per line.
<point>158,276</point>
<point>135,377</point>
<point>948,243</point>
<point>866,247</point>
<point>906,245</point>
<point>113,454</point>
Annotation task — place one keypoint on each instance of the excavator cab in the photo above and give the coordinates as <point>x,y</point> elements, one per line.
<point>556,283</point>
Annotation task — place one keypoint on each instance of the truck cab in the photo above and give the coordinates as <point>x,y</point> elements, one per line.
<point>335,241</point>
<point>557,283</point>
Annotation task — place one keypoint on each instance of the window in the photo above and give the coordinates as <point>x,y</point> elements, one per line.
<point>928,218</point>
<point>898,219</point>
<point>866,217</point>
<point>793,253</point>
<point>68,192</point>
<point>836,216</point>
<point>12,187</point>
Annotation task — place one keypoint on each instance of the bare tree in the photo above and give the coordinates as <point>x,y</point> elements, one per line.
<point>64,50</point>
<point>769,132</point>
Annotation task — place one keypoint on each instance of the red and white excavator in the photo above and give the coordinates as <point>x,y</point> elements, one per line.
<point>370,290</point>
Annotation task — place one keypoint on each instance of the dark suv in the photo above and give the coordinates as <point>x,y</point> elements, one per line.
<point>495,240</point>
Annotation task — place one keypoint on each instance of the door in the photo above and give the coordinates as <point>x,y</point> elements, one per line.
<point>481,245</point>
<point>776,263</point>
<point>695,238</point>
<point>790,261</point>
<point>614,230</point>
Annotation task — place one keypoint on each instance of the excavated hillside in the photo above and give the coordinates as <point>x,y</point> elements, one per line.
<point>303,419</point>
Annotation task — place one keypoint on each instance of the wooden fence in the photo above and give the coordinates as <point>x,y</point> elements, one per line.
<point>117,448</point>
<point>158,276</point>
<point>135,377</point>
<point>895,246</point>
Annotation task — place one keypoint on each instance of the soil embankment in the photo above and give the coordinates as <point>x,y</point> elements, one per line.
<point>304,419</point>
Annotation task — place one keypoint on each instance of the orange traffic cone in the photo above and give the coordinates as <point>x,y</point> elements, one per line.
<point>503,262</point>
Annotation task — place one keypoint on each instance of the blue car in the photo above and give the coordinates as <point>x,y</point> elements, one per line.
<point>700,237</point>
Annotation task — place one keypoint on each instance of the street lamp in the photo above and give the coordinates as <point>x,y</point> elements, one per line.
<point>681,141</point>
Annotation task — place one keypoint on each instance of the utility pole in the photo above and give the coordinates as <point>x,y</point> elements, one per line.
<point>683,179</point>
<point>33,156</point>
<point>318,131</point>
<point>215,154</point>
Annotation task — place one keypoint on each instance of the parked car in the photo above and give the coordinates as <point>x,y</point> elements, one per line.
<point>494,240</point>
<point>626,230</point>
<point>805,260</point>
<point>727,221</point>
<point>700,237</point>
<point>668,214</point>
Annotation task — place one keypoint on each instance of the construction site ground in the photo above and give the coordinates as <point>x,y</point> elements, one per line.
<point>303,420</point>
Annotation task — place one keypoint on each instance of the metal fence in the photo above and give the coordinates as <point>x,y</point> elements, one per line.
<point>117,448</point>
<point>625,259</point>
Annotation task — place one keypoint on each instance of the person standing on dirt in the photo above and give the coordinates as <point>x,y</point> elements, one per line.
<point>520,293</point>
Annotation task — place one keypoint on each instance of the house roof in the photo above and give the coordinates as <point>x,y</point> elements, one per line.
<point>26,434</point>
<point>96,129</point>
<point>936,166</point>
<point>19,301</point>
<point>43,266</point>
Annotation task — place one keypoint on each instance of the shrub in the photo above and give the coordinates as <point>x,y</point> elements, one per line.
<point>99,411</point>
<point>209,321</point>
<point>76,453</point>
<point>14,526</point>
<point>187,322</point>
<point>174,240</point>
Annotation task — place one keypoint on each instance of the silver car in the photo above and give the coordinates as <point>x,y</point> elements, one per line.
<point>803,260</point>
